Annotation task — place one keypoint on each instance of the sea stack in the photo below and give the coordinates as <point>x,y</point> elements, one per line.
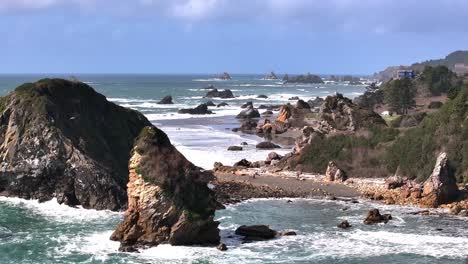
<point>61,139</point>
<point>169,201</point>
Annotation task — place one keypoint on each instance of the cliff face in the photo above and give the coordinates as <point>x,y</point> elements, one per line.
<point>169,200</point>
<point>62,139</point>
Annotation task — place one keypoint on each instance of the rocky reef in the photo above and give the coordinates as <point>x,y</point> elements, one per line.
<point>169,198</point>
<point>61,139</point>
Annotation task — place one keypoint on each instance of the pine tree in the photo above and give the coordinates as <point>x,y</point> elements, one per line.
<point>399,95</point>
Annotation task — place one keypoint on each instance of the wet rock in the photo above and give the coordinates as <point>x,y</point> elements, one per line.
<point>247,105</point>
<point>374,217</point>
<point>234,148</point>
<point>344,224</point>
<point>166,100</point>
<point>210,103</point>
<point>334,174</point>
<point>225,94</point>
<point>256,232</point>
<point>202,109</point>
<point>288,233</point>
<point>294,98</point>
<point>249,112</point>
<point>267,113</point>
<point>222,247</point>
<point>248,125</point>
<point>262,96</point>
<point>222,104</point>
<point>267,145</point>
<point>244,144</point>
<point>440,187</point>
<point>224,76</point>
<point>243,163</point>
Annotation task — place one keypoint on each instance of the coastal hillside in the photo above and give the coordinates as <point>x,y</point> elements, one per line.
<point>61,139</point>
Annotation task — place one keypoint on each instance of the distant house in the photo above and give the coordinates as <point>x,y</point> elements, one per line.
<point>405,74</point>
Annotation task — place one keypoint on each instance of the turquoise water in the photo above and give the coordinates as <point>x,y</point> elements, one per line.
<point>50,233</point>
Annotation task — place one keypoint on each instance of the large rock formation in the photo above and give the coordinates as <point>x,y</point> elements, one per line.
<point>249,112</point>
<point>169,201</point>
<point>441,186</point>
<point>308,78</point>
<point>166,100</point>
<point>225,94</point>
<point>62,139</point>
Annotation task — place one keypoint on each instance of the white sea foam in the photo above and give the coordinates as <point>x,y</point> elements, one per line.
<point>59,212</point>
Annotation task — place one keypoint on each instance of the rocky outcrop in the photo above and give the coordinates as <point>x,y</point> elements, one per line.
<point>169,201</point>
<point>256,232</point>
<point>62,139</point>
<point>308,78</point>
<point>302,105</point>
<point>202,109</point>
<point>247,105</point>
<point>249,112</point>
<point>215,93</point>
<point>270,76</point>
<point>440,187</point>
<point>247,125</point>
<point>317,102</point>
<point>266,145</point>
<point>166,100</point>
<point>334,174</point>
<point>374,217</point>
<point>224,76</point>
<point>344,224</point>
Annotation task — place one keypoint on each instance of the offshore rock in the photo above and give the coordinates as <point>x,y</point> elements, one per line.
<point>249,112</point>
<point>168,197</point>
<point>256,232</point>
<point>62,139</point>
<point>166,100</point>
<point>225,94</point>
<point>202,109</point>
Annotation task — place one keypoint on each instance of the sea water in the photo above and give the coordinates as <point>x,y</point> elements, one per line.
<point>32,232</point>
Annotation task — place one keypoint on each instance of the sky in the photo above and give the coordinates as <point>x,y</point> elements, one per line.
<point>238,36</point>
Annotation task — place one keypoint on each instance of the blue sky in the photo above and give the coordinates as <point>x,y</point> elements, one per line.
<point>239,36</point>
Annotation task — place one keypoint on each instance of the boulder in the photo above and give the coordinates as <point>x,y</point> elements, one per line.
<point>210,103</point>
<point>440,187</point>
<point>169,198</point>
<point>374,217</point>
<point>225,94</point>
<point>394,182</point>
<point>247,125</point>
<point>244,144</point>
<point>294,98</point>
<point>334,174</point>
<point>202,109</point>
<point>248,104</point>
<point>249,112</point>
<point>235,148</point>
<point>166,100</point>
<point>302,105</point>
<point>267,113</point>
<point>267,145</point>
<point>61,139</point>
<point>222,104</point>
<point>317,102</point>
<point>264,128</point>
<point>344,224</point>
<point>256,232</point>
<point>262,96</point>
<point>243,163</point>
<point>273,156</point>
<point>222,247</point>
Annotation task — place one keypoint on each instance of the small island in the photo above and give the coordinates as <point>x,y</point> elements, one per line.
<point>308,78</point>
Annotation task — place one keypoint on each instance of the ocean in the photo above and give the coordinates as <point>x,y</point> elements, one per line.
<point>32,232</point>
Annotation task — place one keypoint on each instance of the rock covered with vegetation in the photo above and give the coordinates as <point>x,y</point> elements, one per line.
<point>308,78</point>
<point>61,139</point>
<point>168,197</point>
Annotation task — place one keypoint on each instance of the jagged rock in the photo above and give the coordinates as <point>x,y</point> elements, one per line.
<point>374,217</point>
<point>202,109</point>
<point>273,156</point>
<point>440,187</point>
<point>270,76</point>
<point>222,247</point>
<point>307,135</point>
<point>168,197</point>
<point>339,113</point>
<point>210,103</point>
<point>302,105</point>
<point>222,104</point>
<point>262,96</point>
<point>334,174</point>
<point>284,114</point>
<point>264,128</point>
<point>256,232</point>
<point>166,100</point>
<point>234,148</point>
<point>344,224</point>
<point>224,76</point>
<point>249,112</point>
<point>225,94</point>
<point>248,104</point>
<point>62,139</point>
<point>267,145</point>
